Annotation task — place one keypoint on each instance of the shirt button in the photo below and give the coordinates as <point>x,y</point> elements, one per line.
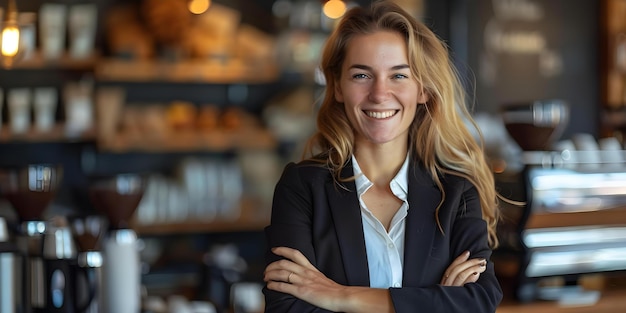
<point>397,285</point>
<point>390,246</point>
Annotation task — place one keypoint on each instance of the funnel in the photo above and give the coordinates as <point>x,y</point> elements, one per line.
<point>30,189</point>
<point>88,231</point>
<point>535,126</point>
<point>117,197</point>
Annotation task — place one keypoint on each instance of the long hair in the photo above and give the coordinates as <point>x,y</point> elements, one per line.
<point>438,136</point>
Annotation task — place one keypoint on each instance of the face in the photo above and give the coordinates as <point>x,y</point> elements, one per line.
<point>377,88</point>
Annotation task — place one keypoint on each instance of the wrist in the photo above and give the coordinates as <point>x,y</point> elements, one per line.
<point>345,300</point>
<point>364,299</point>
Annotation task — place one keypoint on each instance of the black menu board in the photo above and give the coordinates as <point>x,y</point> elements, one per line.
<point>526,50</point>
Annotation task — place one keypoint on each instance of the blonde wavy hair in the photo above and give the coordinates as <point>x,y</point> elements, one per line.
<point>438,136</point>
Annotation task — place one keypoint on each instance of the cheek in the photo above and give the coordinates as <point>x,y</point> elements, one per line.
<point>351,114</point>
<point>338,93</point>
<point>412,111</point>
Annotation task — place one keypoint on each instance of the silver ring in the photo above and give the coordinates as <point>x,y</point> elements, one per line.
<point>289,278</point>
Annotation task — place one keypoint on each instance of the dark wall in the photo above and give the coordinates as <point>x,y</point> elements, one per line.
<point>537,50</point>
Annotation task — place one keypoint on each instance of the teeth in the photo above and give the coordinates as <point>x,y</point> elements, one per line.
<point>380,115</point>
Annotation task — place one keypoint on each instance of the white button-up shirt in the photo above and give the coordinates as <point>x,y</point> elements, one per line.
<point>385,250</point>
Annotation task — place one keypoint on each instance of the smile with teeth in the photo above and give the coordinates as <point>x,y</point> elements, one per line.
<point>381,115</point>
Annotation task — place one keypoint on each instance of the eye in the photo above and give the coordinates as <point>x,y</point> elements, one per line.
<point>359,76</point>
<point>400,76</point>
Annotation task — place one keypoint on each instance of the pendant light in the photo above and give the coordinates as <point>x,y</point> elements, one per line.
<point>10,36</point>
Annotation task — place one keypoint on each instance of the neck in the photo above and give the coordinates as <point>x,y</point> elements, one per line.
<point>381,163</point>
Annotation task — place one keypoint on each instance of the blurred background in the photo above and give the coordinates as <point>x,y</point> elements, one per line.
<point>170,121</point>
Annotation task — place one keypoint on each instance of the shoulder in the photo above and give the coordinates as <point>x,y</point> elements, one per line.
<point>456,181</point>
<point>306,170</point>
<point>450,181</point>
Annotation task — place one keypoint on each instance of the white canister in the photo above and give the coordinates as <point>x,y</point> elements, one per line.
<point>82,23</point>
<point>52,29</point>
<point>45,106</point>
<point>121,274</point>
<point>19,105</point>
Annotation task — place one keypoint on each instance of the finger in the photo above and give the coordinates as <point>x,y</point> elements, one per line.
<point>452,278</point>
<point>471,278</point>
<point>284,264</point>
<point>460,273</point>
<point>470,274</point>
<point>293,255</point>
<point>459,260</point>
<point>277,274</point>
<point>280,270</point>
<point>282,287</point>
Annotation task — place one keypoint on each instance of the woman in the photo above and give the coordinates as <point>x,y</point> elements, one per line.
<point>396,211</point>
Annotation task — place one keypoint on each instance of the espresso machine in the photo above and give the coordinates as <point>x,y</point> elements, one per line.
<point>46,277</point>
<point>568,214</point>
<point>117,197</point>
<point>30,189</point>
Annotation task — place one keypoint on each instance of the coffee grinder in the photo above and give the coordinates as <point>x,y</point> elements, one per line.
<point>30,189</point>
<point>117,197</point>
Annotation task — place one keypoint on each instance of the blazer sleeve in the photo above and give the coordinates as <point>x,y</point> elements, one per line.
<point>468,231</point>
<point>290,226</point>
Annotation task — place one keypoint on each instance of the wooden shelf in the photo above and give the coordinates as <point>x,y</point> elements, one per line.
<point>201,71</point>
<point>216,71</point>
<point>37,61</point>
<point>252,218</point>
<point>58,133</point>
<point>191,227</point>
<point>213,141</point>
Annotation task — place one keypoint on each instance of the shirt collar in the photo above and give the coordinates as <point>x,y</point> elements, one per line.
<point>401,179</point>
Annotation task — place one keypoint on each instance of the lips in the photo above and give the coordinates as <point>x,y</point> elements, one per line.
<point>381,114</point>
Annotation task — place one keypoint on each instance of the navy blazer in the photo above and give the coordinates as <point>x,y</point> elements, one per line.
<point>313,214</point>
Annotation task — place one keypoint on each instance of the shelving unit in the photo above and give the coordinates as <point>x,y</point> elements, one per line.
<point>153,77</point>
<point>222,82</point>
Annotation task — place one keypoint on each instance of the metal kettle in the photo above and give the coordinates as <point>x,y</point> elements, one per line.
<point>11,300</point>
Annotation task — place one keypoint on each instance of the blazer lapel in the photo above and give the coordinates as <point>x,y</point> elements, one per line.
<point>346,213</point>
<point>423,199</point>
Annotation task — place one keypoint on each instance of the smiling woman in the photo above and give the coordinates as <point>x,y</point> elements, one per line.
<point>394,207</point>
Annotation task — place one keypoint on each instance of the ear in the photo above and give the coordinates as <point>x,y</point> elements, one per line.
<point>423,96</point>
<point>338,92</point>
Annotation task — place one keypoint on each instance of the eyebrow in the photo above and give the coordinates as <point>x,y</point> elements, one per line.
<point>369,68</point>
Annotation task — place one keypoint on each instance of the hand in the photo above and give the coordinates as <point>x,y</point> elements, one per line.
<point>299,278</point>
<point>463,270</point>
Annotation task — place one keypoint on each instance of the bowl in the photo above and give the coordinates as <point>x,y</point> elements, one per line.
<point>535,126</point>
<point>117,197</point>
<point>31,188</point>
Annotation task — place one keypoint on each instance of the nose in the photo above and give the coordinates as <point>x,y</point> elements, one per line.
<point>379,91</point>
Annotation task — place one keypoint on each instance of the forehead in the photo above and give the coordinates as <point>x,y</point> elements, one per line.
<point>378,47</point>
